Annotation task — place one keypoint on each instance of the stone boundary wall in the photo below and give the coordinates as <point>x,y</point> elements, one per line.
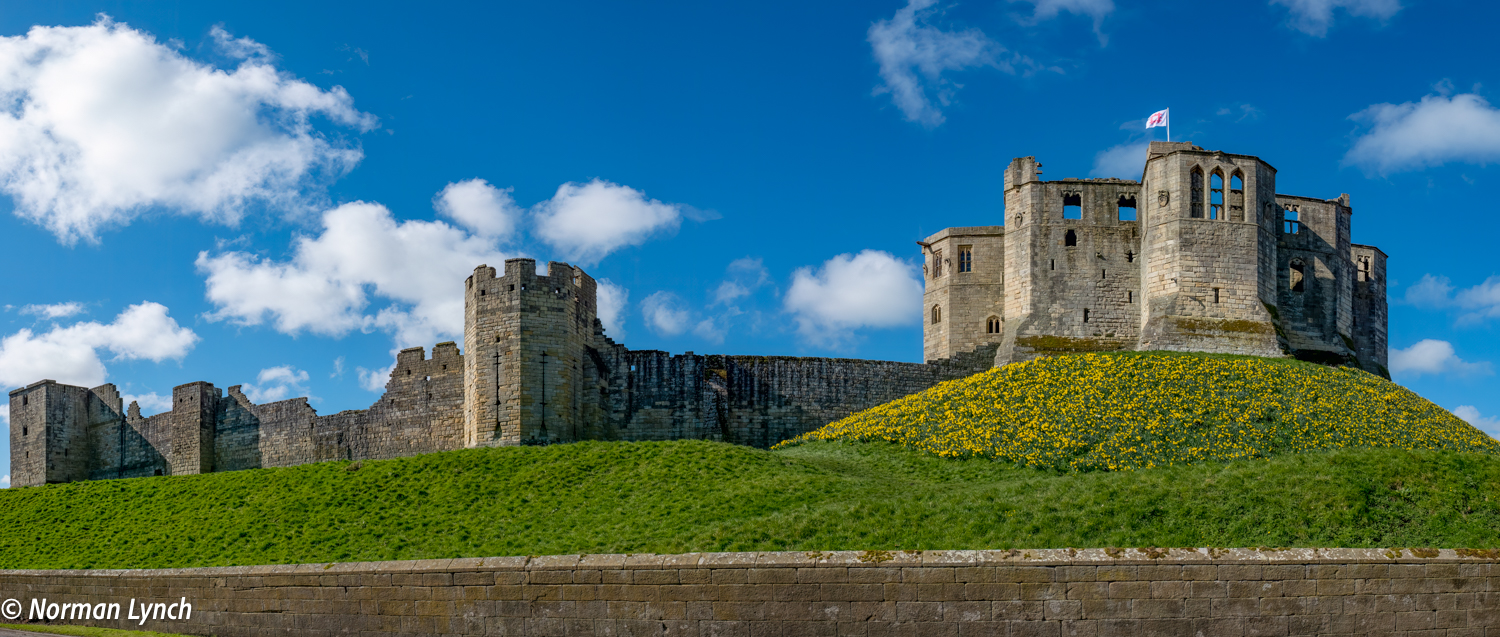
<point>1054,592</point>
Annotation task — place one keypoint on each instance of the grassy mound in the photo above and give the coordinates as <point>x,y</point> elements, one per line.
<point>1123,411</point>
<point>686,496</point>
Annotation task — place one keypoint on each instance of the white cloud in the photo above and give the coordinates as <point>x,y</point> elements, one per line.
<point>374,379</point>
<point>1313,17</point>
<point>1437,130</point>
<point>743,277</point>
<point>710,330</point>
<point>1475,304</point>
<point>54,311</point>
<point>485,210</point>
<point>71,354</point>
<point>1126,161</point>
<point>612,301</point>
<point>1430,356</point>
<point>101,123</point>
<point>325,287</point>
<point>871,289</point>
<point>5,481</point>
<point>588,221</point>
<point>913,56</point>
<point>277,383</point>
<point>1470,414</point>
<point>150,404</point>
<point>1096,9</point>
<point>665,314</point>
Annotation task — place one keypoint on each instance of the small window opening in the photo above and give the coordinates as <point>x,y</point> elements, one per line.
<point>158,472</point>
<point>428,378</point>
<point>632,368</point>
<point>1101,274</point>
<point>992,326</point>
<point>408,372</point>
<point>937,263</point>
<point>1195,198</point>
<point>1129,256</point>
<point>1126,208</point>
<point>512,288</point>
<point>965,258</point>
<point>1073,206</point>
<point>1364,271</point>
<point>1236,185</point>
<point>1053,262</point>
<point>481,291</point>
<point>937,314</point>
<point>23,431</point>
<point>1216,295</point>
<point>1216,196</point>
<point>1129,296</point>
<point>445,368</point>
<point>1292,220</point>
<point>1297,276</point>
<point>1070,239</point>
<point>25,400</point>
<point>1085,315</point>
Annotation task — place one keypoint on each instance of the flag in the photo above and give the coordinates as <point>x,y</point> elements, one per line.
<point>1157,119</point>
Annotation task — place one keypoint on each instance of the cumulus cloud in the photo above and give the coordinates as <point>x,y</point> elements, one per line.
<point>363,251</point>
<point>101,123</point>
<point>742,278</point>
<point>1487,424</point>
<point>870,289</point>
<point>1126,161</point>
<point>485,210</point>
<point>54,311</point>
<point>1434,131</point>
<point>913,56</point>
<point>1095,9</point>
<point>5,481</point>
<point>277,383</point>
<point>612,301</point>
<point>1475,304</point>
<point>588,221</point>
<point>1431,356</point>
<point>71,354</point>
<point>150,404</point>
<point>666,314</point>
<point>1313,17</point>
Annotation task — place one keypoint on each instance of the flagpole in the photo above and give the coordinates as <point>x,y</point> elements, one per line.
<point>1169,125</point>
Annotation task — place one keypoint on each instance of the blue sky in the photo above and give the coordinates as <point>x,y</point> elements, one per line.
<point>280,195</point>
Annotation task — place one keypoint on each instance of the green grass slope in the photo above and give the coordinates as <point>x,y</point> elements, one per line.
<point>689,496</point>
<point>1133,410</point>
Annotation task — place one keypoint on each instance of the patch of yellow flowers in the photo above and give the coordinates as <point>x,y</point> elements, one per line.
<point>1119,412</point>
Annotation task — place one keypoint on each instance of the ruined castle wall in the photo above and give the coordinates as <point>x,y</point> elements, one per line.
<point>1317,244</point>
<point>1369,320</point>
<point>752,400</point>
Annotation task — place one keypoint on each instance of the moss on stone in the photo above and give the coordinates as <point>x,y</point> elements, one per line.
<point>1069,344</point>
<point>1237,326</point>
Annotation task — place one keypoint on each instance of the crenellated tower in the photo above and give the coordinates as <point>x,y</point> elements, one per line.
<point>527,369</point>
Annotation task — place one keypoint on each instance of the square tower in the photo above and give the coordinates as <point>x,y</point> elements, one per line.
<point>964,290</point>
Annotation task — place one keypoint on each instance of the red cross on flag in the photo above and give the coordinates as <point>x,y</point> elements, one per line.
<point>1158,118</point>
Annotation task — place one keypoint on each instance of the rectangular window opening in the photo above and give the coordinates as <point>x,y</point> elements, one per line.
<point>965,258</point>
<point>1126,208</point>
<point>1129,296</point>
<point>1073,206</point>
<point>1216,295</point>
<point>1054,263</point>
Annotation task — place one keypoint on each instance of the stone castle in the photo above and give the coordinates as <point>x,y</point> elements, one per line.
<point>1199,267</point>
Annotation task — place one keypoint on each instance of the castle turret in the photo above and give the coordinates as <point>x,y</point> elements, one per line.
<point>526,340</point>
<point>50,430</point>
<point>193,421</point>
<point>1208,279</point>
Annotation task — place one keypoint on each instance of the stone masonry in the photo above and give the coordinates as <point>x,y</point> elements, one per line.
<point>536,368</point>
<point>1050,593</point>
<point>1202,254</point>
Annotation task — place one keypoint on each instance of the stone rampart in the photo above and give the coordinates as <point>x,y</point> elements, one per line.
<point>1051,592</point>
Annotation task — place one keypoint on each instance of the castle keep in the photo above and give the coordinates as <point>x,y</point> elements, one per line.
<point>1201,255</point>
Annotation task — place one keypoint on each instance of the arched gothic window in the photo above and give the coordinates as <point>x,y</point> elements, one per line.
<point>1236,197</point>
<point>1296,276</point>
<point>937,314</point>
<point>992,326</point>
<point>1070,239</point>
<point>1195,198</point>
